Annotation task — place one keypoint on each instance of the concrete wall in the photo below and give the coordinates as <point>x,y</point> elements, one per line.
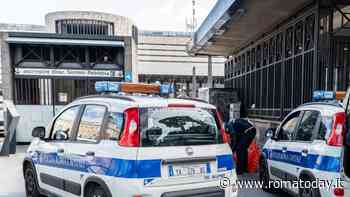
<point>122,25</point>
<point>22,27</point>
<point>167,55</point>
<point>5,67</point>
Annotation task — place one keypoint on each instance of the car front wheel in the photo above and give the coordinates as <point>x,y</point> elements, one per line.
<point>96,191</point>
<point>30,183</point>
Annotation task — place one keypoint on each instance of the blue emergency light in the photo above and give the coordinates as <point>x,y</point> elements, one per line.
<point>107,86</point>
<point>320,95</point>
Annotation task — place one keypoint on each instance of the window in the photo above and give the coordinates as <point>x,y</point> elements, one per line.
<point>178,127</point>
<point>64,123</point>
<point>91,123</point>
<point>307,126</point>
<point>310,31</point>
<point>114,126</point>
<point>288,127</point>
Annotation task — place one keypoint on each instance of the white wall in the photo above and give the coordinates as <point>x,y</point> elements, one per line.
<point>167,55</point>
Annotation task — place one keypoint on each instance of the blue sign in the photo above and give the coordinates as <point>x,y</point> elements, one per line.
<point>323,95</point>
<point>107,86</point>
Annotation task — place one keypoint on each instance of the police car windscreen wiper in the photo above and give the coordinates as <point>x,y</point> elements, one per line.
<point>180,139</point>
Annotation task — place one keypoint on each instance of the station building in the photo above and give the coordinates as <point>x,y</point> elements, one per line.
<point>278,52</point>
<point>45,67</point>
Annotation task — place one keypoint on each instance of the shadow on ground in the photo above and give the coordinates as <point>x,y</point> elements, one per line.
<point>257,192</point>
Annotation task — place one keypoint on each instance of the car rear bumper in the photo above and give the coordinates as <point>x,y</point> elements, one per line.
<point>200,189</point>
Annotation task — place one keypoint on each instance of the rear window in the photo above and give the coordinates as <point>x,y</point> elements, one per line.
<point>178,127</point>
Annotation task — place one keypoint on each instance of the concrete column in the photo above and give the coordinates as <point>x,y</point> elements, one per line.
<point>6,71</point>
<point>210,72</point>
<point>194,83</point>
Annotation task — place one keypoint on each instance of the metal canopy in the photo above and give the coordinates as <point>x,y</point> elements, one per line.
<point>232,24</point>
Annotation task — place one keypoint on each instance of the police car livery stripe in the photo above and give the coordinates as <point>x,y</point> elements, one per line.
<point>311,161</point>
<point>115,167</point>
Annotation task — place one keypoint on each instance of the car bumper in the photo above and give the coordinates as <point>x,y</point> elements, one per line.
<point>137,188</point>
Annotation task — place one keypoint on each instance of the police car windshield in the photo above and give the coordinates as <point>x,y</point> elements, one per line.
<point>178,127</point>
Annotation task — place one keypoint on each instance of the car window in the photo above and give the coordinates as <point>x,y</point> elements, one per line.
<point>178,127</point>
<point>307,126</point>
<point>114,126</point>
<point>91,123</point>
<point>288,127</point>
<point>64,122</point>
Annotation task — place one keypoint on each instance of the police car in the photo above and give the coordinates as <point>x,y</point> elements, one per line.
<point>307,146</point>
<point>346,148</point>
<point>130,145</point>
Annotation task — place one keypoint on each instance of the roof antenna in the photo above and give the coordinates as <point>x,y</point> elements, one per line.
<point>192,23</point>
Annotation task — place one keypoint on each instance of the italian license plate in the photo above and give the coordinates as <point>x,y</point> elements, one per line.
<point>188,170</point>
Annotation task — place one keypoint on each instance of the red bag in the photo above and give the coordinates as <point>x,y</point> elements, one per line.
<point>254,153</point>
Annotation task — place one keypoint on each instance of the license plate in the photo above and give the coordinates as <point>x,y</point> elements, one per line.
<point>189,170</point>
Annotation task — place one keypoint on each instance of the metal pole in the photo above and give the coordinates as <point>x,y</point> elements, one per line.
<point>210,72</point>
<point>194,83</point>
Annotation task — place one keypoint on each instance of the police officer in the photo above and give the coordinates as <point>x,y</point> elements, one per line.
<point>242,133</point>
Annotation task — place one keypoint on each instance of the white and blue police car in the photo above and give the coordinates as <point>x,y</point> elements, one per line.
<point>346,148</point>
<point>130,145</point>
<point>307,146</point>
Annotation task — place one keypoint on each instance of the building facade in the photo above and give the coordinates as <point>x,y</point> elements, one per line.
<point>45,67</point>
<point>163,57</point>
<point>293,49</point>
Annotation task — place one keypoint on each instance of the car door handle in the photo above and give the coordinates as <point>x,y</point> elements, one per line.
<point>304,152</point>
<point>284,149</point>
<point>90,153</point>
<point>60,150</point>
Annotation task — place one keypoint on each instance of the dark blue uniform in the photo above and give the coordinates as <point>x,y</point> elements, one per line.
<point>242,134</point>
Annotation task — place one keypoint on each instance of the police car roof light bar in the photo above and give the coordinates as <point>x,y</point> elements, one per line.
<point>320,95</point>
<point>142,88</point>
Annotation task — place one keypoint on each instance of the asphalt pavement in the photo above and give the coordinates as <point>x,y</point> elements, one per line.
<point>12,183</point>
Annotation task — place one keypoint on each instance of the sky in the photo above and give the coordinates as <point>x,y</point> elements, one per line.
<point>165,15</point>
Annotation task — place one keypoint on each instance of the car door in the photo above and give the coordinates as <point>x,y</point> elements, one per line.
<point>84,152</point>
<point>278,151</point>
<point>50,160</point>
<point>346,148</point>
<point>302,148</point>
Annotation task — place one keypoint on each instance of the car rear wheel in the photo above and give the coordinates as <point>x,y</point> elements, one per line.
<point>31,185</point>
<point>309,192</point>
<point>96,191</point>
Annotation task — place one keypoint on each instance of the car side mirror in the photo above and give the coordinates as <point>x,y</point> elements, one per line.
<point>270,133</point>
<point>61,135</point>
<point>39,132</point>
